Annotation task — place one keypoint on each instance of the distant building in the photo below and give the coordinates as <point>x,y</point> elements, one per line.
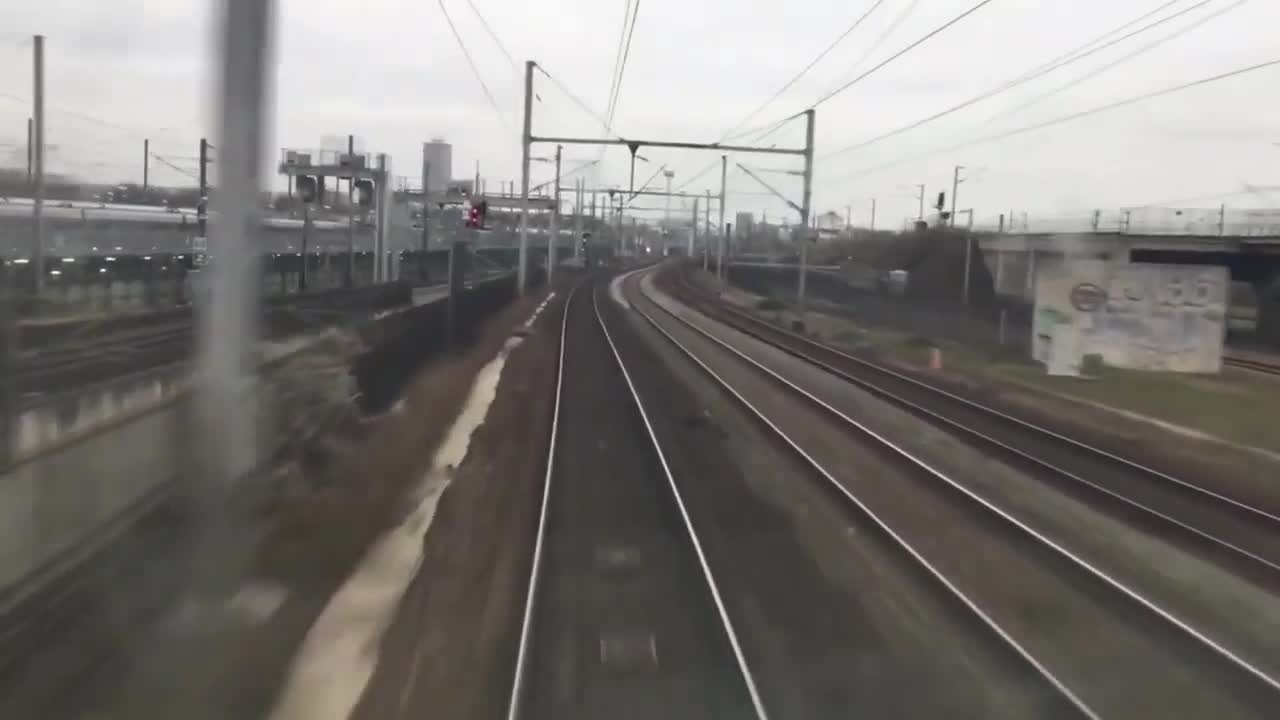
<point>438,155</point>
<point>742,224</point>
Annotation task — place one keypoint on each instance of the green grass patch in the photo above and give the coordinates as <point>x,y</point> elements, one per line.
<point>1234,406</point>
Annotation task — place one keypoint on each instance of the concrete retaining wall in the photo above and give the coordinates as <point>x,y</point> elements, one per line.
<point>60,502</point>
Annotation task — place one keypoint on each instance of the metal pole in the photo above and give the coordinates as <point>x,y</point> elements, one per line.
<point>579,195</point>
<point>226,439</point>
<point>351,214</point>
<point>426,217</point>
<point>146,163</point>
<point>805,201</point>
<point>8,397</point>
<point>706,233</point>
<point>968,258</point>
<point>525,142</point>
<point>873,214</point>
<point>30,152</point>
<point>37,255</point>
<point>553,230</point>
<point>955,188</point>
<point>667,212</point>
<point>306,225</point>
<point>920,212</point>
<point>381,194</point>
<point>724,174</point>
<point>693,228</point>
<point>202,209</point>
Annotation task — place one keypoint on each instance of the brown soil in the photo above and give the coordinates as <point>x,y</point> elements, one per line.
<point>312,541</point>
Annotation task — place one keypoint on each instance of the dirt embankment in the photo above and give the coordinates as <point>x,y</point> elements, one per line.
<point>313,537</point>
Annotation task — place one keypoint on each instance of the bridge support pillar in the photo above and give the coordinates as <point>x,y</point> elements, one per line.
<point>1268,291</point>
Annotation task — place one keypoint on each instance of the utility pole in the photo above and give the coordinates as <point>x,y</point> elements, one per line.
<point>202,209</point>
<point>920,197</point>
<point>30,153</point>
<point>873,214</point>
<point>37,255</point>
<point>668,174</point>
<point>693,228</point>
<point>554,229</point>
<point>351,216</point>
<point>806,199</point>
<point>526,142</point>
<point>426,217</point>
<point>955,187</point>
<point>579,196</point>
<point>146,163</point>
<point>724,174</point>
<point>706,233</point>
<point>306,226</point>
<point>848,217</point>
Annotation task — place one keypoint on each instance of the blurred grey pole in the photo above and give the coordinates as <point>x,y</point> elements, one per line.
<point>873,215</point>
<point>955,190</point>
<point>553,230</point>
<point>30,153</point>
<point>805,200</point>
<point>381,196</point>
<point>351,213</point>
<point>578,196</point>
<point>37,143</point>
<point>229,400</point>
<point>706,233</point>
<point>693,228</point>
<point>306,225</point>
<point>202,204</point>
<point>8,349</point>
<point>426,217</point>
<point>724,174</point>
<point>146,163</point>
<point>522,270</point>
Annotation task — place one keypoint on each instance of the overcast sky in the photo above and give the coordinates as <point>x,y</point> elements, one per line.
<point>391,72</point>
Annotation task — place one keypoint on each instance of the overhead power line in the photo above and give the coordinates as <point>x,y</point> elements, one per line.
<point>617,61</point>
<point>1122,59</point>
<point>1071,56</point>
<point>927,37</point>
<point>888,31</point>
<point>622,67</point>
<point>805,70</point>
<point>604,123</point>
<point>494,36</point>
<point>994,137</point>
<point>474,69</point>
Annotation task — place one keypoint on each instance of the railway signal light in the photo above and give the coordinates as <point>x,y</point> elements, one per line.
<point>476,215</point>
<point>364,192</point>
<point>306,188</point>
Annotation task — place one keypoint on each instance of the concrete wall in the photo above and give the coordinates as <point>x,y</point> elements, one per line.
<point>85,462</point>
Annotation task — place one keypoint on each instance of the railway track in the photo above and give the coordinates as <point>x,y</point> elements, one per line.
<point>1158,648</point>
<point>1254,365</point>
<point>623,617</point>
<point>1237,534</point>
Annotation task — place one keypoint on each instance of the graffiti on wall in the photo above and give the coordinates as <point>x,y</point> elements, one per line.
<point>1135,315</point>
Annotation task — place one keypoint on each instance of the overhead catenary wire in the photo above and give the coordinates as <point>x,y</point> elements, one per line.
<point>892,27</point>
<point>1076,54</point>
<point>805,70</point>
<point>1123,58</point>
<point>617,61</point>
<point>597,116</point>
<point>622,67</point>
<point>917,43</point>
<point>994,137</point>
<point>515,66</point>
<point>474,69</point>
